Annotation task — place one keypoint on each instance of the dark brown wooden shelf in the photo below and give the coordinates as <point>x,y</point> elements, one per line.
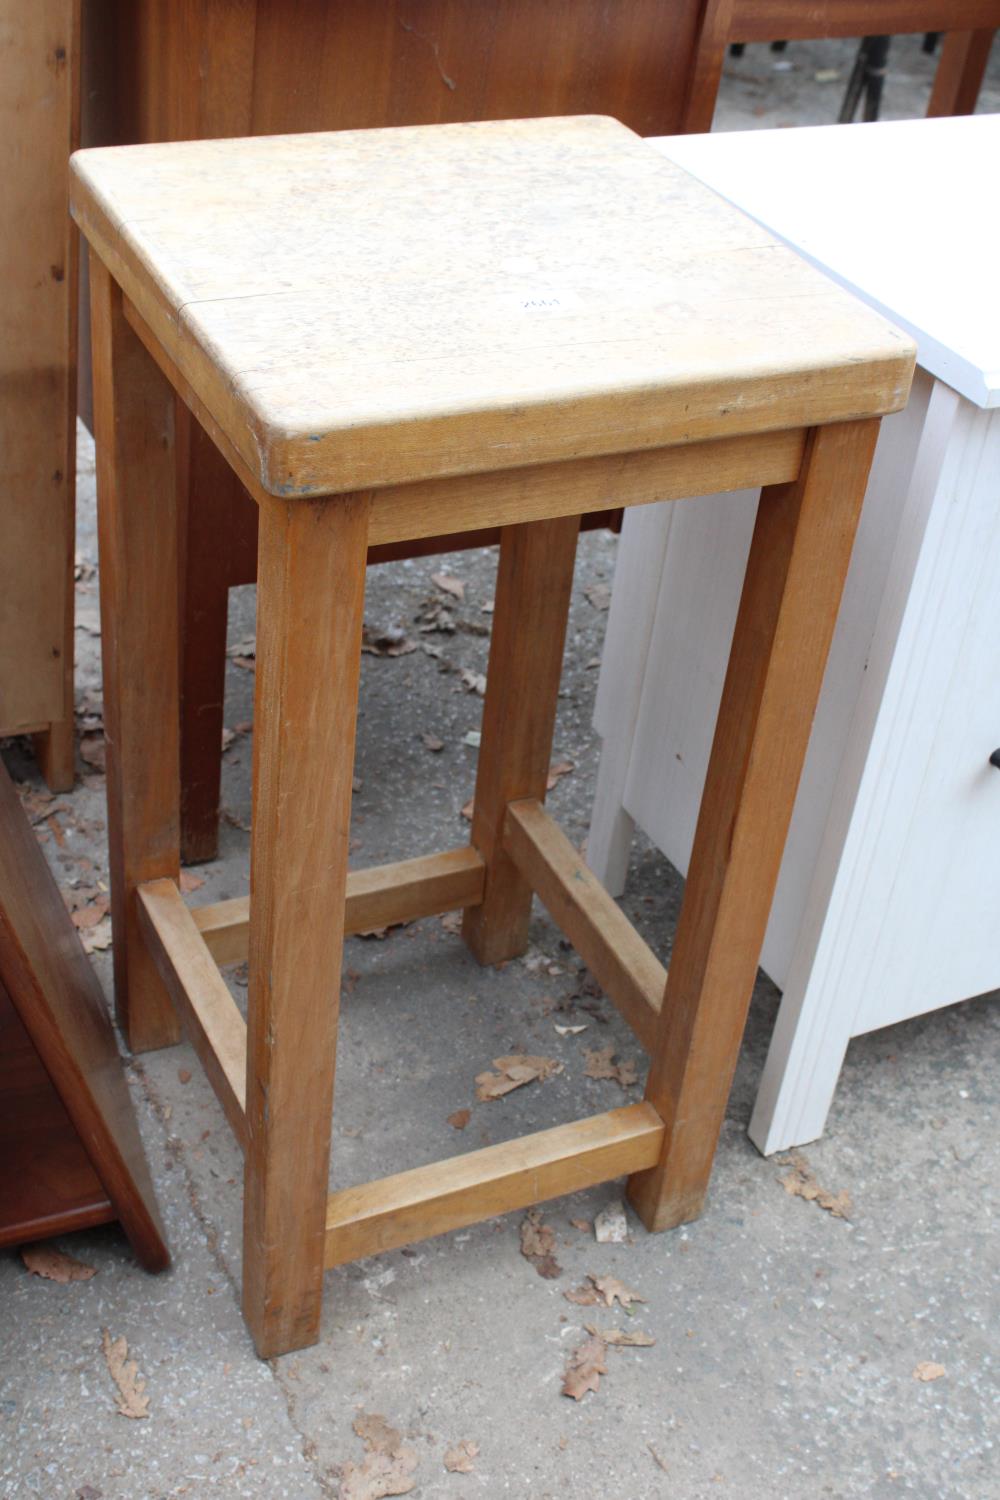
<point>47,1183</point>
<point>70,1151</point>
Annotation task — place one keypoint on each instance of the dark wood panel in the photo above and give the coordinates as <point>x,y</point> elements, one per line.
<point>195,67</point>
<point>768,20</point>
<point>59,1002</point>
<point>47,1184</point>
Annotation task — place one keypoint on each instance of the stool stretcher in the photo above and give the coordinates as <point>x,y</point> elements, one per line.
<point>379,897</point>
<point>446,1195</point>
<point>624,966</point>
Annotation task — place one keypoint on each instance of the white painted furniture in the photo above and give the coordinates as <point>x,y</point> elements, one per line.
<point>888,904</point>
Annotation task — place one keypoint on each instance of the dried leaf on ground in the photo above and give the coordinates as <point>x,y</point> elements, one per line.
<point>434,617</point>
<point>38,802</point>
<point>601,1064</point>
<point>97,939</point>
<point>598,594</point>
<point>611,1225</point>
<point>604,1290</point>
<point>376,1433</point>
<point>389,642</point>
<point>452,922</point>
<point>467,810</point>
<point>388,1467</point>
<point>132,1401</point>
<point>612,1290</point>
<point>459,1458</point>
<point>432,743</point>
<point>460,1119</point>
<point>90,913</point>
<point>230,736</point>
<point>584,1225</point>
<point>569,1030</point>
<point>92,751</point>
<point>228,816</point>
<point>622,1338</point>
<point>474,682</point>
<point>928,1370</point>
<point>449,584</point>
<point>514,1071</point>
<point>379,934</point>
<point>800,1182</point>
<point>55,1265</point>
<point>246,647</point>
<point>189,882</point>
<point>586,1295</point>
<point>538,1244</point>
<point>585,1367</point>
<point>557,769</point>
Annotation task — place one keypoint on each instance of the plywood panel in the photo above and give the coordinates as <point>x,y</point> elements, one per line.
<point>37,292</point>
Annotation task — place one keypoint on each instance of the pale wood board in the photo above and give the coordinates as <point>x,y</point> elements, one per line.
<point>338,350</point>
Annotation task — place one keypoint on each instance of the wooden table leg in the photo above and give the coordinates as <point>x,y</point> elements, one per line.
<point>960,73</point>
<point>214,527</point>
<point>795,574</point>
<point>310,604</point>
<point>137,537</point>
<point>534,582</point>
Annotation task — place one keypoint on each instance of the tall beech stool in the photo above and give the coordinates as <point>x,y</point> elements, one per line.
<point>402,333</point>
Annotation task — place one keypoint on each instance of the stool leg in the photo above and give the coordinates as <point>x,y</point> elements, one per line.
<point>137,538</point>
<point>534,582</point>
<point>310,603</point>
<point>795,574</point>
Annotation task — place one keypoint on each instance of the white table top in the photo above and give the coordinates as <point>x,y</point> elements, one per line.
<point>905,213</point>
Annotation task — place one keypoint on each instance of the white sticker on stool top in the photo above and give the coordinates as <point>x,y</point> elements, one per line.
<point>542,299</point>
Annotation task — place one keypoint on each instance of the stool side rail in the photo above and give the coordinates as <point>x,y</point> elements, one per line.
<point>378,897</point>
<point>623,964</point>
<point>445,1195</point>
<point>207,1010</point>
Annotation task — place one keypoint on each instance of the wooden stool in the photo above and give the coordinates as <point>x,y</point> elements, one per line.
<point>404,333</point>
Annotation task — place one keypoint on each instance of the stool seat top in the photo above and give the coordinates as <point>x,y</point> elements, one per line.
<point>365,308</point>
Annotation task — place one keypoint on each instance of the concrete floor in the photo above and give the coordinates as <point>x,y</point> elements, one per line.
<point>786,1338</point>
